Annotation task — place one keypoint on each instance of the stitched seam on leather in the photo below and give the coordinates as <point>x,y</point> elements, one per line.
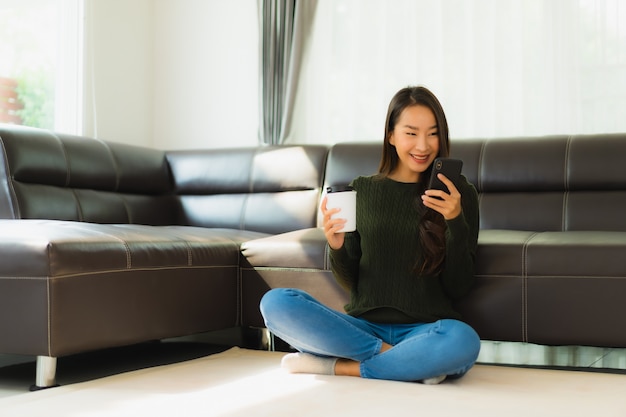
<point>116,166</point>
<point>280,268</point>
<point>188,247</point>
<point>581,277</point>
<point>251,172</point>
<point>524,296</point>
<point>128,219</point>
<point>19,278</point>
<point>479,180</point>
<point>525,287</point>
<point>49,317</point>
<point>242,217</point>
<point>15,208</point>
<point>49,342</point>
<point>109,271</point>
<point>189,255</point>
<point>239,301</point>
<point>566,164</point>
<point>79,208</point>
<point>67,161</point>
<point>326,256</point>
<point>564,213</point>
<point>129,262</point>
<point>129,259</point>
<point>566,183</point>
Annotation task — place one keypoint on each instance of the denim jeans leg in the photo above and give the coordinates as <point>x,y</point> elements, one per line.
<point>309,326</point>
<point>445,347</point>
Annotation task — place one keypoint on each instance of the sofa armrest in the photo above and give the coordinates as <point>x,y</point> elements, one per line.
<point>296,259</point>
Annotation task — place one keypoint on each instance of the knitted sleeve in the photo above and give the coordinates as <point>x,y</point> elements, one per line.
<point>344,262</point>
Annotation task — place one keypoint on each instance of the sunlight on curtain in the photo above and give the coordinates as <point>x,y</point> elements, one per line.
<point>500,68</point>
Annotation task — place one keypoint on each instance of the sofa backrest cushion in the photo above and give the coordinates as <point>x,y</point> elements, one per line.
<point>271,189</point>
<point>44,175</point>
<point>552,183</point>
<point>346,161</point>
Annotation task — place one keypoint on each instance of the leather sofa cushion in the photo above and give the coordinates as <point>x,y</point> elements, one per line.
<point>64,177</point>
<point>80,286</point>
<point>575,281</point>
<point>48,248</point>
<point>271,189</point>
<point>553,183</point>
<point>305,248</point>
<point>547,287</point>
<point>537,287</point>
<point>295,259</point>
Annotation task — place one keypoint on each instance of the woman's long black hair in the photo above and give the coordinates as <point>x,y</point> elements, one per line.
<point>432,227</point>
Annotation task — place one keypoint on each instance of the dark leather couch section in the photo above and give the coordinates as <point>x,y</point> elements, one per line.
<point>54,176</point>
<point>247,188</point>
<point>99,245</point>
<point>104,244</point>
<point>570,192</point>
<point>549,183</point>
<point>496,306</point>
<point>575,286</point>
<point>295,259</point>
<point>68,287</point>
<point>548,267</point>
<point>346,161</point>
<point>300,259</point>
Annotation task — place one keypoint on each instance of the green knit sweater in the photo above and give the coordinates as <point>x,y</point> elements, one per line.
<point>377,261</point>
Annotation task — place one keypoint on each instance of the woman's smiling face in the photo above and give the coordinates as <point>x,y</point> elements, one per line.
<point>416,140</point>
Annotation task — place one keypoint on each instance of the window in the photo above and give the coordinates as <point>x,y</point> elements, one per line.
<point>40,63</point>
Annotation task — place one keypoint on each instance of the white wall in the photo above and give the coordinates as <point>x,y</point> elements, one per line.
<point>206,68</point>
<point>119,80</point>
<point>172,74</point>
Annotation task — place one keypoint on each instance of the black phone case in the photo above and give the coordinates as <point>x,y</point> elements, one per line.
<point>449,167</point>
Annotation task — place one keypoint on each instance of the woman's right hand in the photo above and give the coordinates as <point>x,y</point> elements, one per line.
<point>333,226</point>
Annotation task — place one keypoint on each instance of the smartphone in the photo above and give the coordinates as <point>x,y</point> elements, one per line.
<point>449,167</point>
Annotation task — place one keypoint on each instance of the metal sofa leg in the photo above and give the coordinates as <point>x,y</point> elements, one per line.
<point>46,373</point>
<point>268,340</point>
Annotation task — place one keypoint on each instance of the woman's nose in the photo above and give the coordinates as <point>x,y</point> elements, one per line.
<point>421,144</point>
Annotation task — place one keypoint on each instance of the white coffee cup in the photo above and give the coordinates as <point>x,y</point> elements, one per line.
<point>343,197</point>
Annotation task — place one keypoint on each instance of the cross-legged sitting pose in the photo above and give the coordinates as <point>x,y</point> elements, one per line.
<point>411,256</point>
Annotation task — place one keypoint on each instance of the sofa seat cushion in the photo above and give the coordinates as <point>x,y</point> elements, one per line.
<point>536,287</point>
<point>67,287</point>
<point>296,259</point>
<point>543,287</point>
<point>576,280</point>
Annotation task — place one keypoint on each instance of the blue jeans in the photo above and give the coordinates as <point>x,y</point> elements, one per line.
<point>420,350</point>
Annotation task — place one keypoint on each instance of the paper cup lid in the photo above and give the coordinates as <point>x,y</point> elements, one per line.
<point>339,188</point>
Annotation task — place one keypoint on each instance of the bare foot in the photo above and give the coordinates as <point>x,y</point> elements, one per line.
<point>348,367</point>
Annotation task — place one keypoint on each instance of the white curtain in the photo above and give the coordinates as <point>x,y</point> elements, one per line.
<point>500,67</point>
<point>284,26</point>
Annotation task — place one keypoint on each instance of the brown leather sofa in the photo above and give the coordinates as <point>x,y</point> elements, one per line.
<point>104,244</point>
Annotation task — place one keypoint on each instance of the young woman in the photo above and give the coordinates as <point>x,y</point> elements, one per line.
<point>411,256</point>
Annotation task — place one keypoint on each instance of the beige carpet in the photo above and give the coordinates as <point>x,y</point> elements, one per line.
<point>240,382</point>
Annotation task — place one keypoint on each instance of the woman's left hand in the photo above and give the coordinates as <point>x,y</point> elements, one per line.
<point>448,205</point>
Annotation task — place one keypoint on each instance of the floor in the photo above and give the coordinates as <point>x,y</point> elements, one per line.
<point>243,382</point>
<point>17,373</point>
